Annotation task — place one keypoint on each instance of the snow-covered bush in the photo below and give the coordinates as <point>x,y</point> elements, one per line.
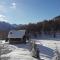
<point>56,53</point>
<point>4,50</point>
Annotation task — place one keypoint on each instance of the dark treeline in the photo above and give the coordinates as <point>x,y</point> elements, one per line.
<point>47,26</point>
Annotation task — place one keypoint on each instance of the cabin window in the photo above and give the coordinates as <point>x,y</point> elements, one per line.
<point>10,32</point>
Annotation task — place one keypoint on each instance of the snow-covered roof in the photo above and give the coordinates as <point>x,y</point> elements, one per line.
<point>16,33</point>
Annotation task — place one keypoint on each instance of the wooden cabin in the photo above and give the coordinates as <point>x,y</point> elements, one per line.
<point>17,36</point>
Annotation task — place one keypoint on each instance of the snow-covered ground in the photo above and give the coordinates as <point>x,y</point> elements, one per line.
<point>21,51</point>
<point>47,48</point>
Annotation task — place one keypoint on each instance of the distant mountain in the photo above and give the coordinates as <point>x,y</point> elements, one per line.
<point>15,25</point>
<point>57,18</point>
<point>21,26</point>
<point>6,26</point>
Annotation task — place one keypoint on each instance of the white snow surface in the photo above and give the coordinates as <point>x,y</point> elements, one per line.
<point>47,48</point>
<point>21,52</point>
<point>16,33</point>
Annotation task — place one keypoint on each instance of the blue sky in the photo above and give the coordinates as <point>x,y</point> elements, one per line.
<point>28,11</point>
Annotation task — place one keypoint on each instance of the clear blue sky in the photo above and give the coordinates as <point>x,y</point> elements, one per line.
<point>28,11</point>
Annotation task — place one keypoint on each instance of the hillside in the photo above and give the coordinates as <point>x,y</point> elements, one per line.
<point>47,26</point>
<point>6,26</point>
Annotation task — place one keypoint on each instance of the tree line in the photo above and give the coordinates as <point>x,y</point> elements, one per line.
<point>46,26</point>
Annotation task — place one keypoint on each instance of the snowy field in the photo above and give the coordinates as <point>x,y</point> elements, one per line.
<point>47,48</point>
<point>21,51</point>
<point>18,52</point>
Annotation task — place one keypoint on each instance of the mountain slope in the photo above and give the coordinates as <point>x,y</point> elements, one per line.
<point>5,26</point>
